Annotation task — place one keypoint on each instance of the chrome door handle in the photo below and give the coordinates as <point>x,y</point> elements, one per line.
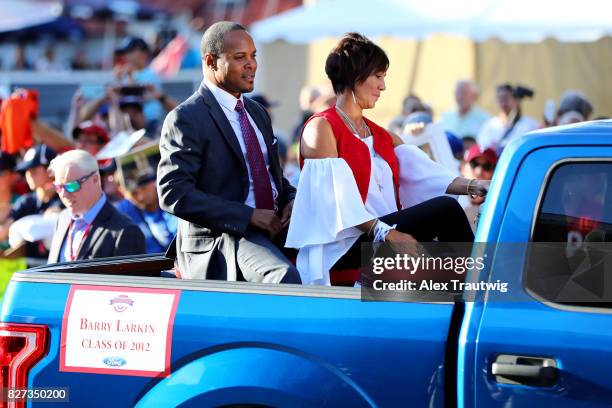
<point>525,370</point>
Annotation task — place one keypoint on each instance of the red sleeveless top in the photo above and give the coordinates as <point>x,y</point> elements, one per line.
<point>356,153</point>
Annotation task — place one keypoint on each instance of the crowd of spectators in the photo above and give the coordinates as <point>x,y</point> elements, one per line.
<point>476,138</point>
<point>105,128</point>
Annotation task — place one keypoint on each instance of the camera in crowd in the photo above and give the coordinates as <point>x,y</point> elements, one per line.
<point>521,92</point>
<point>132,90</point>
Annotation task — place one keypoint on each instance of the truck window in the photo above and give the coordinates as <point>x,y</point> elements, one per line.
<point>568,256</point>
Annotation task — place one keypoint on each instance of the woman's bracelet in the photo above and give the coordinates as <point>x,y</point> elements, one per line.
<point>469,184</point>
<point>375,221</point>
<point>381,230</point>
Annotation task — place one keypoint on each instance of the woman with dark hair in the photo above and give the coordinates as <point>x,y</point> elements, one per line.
<point>510,123</point>
<point>359,182</point>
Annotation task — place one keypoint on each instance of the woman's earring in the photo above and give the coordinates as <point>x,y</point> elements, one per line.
<point>354,99</point>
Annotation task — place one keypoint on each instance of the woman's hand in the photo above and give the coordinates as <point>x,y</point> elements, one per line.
<point>479,188</point>
<point>465,186</point>
<point>286,216</point>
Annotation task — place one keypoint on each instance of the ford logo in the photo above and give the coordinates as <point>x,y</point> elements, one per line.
<point>115,361</point>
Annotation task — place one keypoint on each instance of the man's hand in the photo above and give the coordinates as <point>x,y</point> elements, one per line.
<point>286,217</point>
<point>123,73</point>
<point>52,210</point>
<point>78,100</point>
<point>111,93</point>
<point>266,220</point>
<point>403,243</point>
<point>152,93</point>
<point>396,237</point>
<point>414,129</point>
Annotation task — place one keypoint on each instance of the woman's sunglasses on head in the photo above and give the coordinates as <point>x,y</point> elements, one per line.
<point>73,186</point>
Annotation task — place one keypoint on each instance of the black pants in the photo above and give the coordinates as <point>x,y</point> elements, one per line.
<point>441,218</point>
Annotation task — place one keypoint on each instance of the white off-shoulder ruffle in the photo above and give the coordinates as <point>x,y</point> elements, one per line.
<point>420,178</point>
<point>328,207</point>
<point>326,211</point>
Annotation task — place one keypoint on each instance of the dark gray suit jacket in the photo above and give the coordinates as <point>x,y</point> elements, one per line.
<point>112,234</point>
<point>203,179</point>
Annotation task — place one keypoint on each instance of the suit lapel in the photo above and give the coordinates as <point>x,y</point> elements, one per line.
<point>221,120</point>
<point>63,223</point>
<point>260,123</point>
<point>97,228</point>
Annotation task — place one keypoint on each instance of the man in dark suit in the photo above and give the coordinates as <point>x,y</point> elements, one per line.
<point>219,171</point>
<point>89,227</point>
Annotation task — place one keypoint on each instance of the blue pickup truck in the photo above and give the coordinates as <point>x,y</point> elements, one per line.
<point>211,343</point>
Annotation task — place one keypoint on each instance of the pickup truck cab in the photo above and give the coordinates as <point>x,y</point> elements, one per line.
<point>236,343</point>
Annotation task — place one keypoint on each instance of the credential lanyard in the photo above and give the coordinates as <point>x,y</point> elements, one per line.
<point>74,254</point>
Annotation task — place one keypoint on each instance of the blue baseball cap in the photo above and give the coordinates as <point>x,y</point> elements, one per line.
<point>39,155</point>
<point>133,43</point>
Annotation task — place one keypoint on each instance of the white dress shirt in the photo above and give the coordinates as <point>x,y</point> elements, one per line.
<point>465,125</point>
<point>228,106</point>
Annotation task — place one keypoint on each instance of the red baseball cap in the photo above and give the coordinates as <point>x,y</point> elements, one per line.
<point>475,152</point>
<point>91,128</point>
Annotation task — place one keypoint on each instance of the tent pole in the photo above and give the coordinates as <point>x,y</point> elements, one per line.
<point>476,72</point>
<point>415,67</point>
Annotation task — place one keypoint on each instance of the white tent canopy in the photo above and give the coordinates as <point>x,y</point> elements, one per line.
<point>18,14</point>
<point>509,20</point>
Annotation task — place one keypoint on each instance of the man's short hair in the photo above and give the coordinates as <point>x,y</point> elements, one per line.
<point>411,104</point>
<point>467,82</point>
<point>308,95</point>
<point>74,158</point>
<point>214,37</point>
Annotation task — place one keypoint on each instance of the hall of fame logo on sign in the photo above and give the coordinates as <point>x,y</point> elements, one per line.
<point>121,303</point>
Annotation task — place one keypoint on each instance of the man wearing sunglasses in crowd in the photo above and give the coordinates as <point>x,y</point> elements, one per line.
<point>477,164</point>
<point>89,227</point>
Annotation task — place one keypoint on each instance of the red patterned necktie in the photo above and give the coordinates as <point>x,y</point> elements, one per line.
<point>256,162</point>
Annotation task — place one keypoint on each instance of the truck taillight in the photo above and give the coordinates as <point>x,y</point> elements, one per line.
<point>21,346</point>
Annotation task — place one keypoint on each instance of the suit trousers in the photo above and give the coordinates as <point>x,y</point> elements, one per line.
<point>260,260</point>
<point>254,256</point>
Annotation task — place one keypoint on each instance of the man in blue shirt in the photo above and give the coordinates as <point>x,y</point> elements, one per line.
<point>142,206</point>
<point>467,119</point>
